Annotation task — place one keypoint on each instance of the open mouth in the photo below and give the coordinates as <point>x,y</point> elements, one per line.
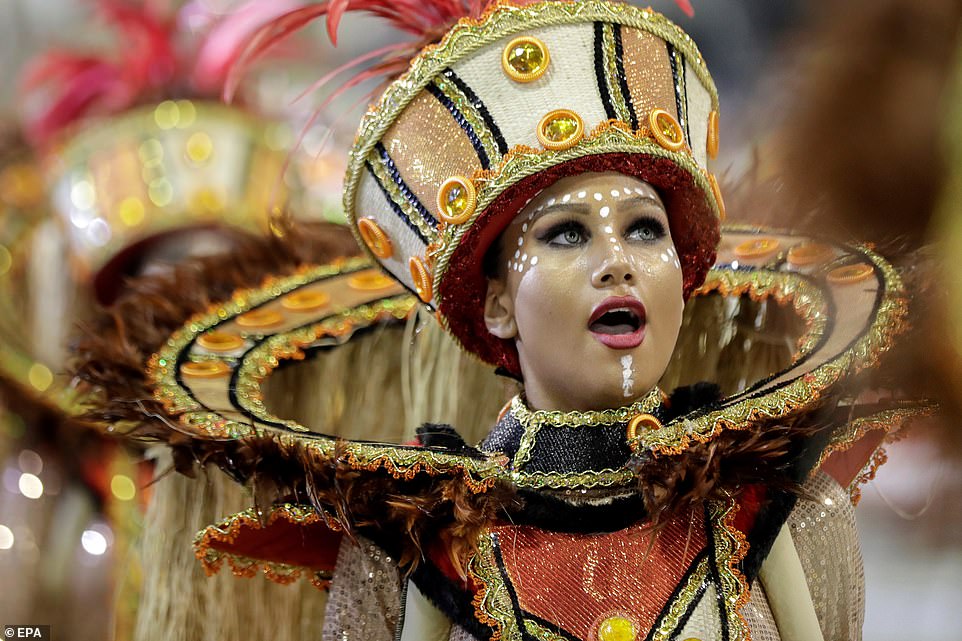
<point>619,322</point>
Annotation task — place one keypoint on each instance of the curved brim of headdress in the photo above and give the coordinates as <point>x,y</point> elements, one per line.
<point>844,307</point>
<point>693,223</point>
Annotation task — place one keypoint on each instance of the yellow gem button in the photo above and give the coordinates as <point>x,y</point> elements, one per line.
<point>217,341</point>
<point>757,248</point>
<point>260,319</point>
<point>305,301</point>
<point>560,129</point>
<point>375,238</point>
<point>809,254</point>
<point>616,629</point>
<point>457,200</point>
<point>370,281</point>
<point>205,369</point>
<point>525,59</point>
<point>850,274</point>
<point>666,130</point>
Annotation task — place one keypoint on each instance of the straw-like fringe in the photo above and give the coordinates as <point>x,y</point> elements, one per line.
<point>180,603</point>
<point>444,384</point>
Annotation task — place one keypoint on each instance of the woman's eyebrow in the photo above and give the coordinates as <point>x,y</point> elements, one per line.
<point>648,202</point>
<point>571,208</point>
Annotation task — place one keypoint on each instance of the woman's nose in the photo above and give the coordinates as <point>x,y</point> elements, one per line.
<point>614,269</point>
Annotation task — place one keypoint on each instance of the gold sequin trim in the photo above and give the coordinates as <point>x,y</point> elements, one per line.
<point>533,420</point>
<point>891,421</point>
<point>610,61</point>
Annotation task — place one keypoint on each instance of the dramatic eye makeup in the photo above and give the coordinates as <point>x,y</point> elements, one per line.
<point>564,233</point>
<point>646,229</point>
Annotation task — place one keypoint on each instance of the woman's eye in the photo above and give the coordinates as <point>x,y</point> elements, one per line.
<point>565,235</point>
<point>648,229</point>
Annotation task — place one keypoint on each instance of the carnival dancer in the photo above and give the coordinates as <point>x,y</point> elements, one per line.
<point>539,177</point>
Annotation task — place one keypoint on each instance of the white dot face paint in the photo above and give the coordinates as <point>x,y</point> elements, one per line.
<point>627,376</point>
<point>556,279</point>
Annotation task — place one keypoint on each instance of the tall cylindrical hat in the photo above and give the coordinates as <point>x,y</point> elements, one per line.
<point>509,103</point>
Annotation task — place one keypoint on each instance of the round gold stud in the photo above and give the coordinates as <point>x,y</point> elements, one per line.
<point>716,192</point>
<point>645,422</point>
<point>713,140</point>
<point>205,369</point>
<point>666,130</point>
<point>850,274</point>
<point>809,254</point>
<point>457,200</point>
<point>375,238</point>
<point>218,341</point>
<point>560,129</point>
<point>423,282</point>
<point>370,281</point>
<point>617,628</point>
<point>260,319</point>
<point>525,59</point>
<point>305,301</point>
<point>757,248</point>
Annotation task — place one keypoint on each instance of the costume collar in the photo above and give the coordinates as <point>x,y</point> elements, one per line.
<point>569,450</point>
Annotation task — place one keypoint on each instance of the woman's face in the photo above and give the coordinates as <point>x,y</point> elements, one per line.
<point>590,289</point>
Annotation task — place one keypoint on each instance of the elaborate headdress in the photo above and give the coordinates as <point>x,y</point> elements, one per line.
<point>511,99</point>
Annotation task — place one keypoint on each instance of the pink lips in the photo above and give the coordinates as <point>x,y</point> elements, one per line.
<point>618,322</point>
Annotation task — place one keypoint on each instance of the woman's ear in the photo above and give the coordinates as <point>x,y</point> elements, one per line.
<point>499,310</point>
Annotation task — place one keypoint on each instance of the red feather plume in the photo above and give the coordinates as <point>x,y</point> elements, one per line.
<point>427,20</point>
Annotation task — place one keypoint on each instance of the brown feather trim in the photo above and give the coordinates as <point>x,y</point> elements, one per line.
<point>112,352</point>
<point>766,454</point>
